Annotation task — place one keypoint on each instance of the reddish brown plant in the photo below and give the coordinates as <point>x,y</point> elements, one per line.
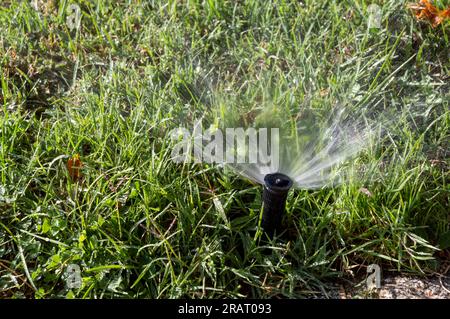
<point>427,11</point>
<point>74,166</point>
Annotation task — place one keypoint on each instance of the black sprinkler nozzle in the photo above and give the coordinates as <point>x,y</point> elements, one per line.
<point>276,189</point>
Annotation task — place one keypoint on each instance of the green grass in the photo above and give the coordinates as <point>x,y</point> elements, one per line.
<point>140,225</point>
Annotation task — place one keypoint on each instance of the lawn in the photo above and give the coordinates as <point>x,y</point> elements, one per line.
<point>111,85</point>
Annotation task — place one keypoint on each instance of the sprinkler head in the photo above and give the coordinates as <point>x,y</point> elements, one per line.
<point>276,188</point>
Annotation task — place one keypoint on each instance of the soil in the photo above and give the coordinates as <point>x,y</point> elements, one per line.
<point>395,287</point>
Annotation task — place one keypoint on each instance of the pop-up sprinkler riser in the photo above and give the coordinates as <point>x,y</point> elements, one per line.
<point>276,189</point>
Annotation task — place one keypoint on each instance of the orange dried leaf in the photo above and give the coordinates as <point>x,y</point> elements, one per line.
<point>425,10</point>
<point>74,166</point>
<point>443,15</point>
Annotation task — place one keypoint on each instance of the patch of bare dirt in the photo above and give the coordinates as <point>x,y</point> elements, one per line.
<point>396,287</point>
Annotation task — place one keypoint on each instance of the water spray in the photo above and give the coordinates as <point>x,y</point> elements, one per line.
<point>276,189</point>
<point>281,146</point>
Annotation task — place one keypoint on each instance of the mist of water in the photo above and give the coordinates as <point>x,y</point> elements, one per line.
<point>312,149</point>
<point>312,143</point>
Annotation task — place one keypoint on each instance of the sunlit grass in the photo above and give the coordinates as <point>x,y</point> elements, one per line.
<point>140,225</point>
